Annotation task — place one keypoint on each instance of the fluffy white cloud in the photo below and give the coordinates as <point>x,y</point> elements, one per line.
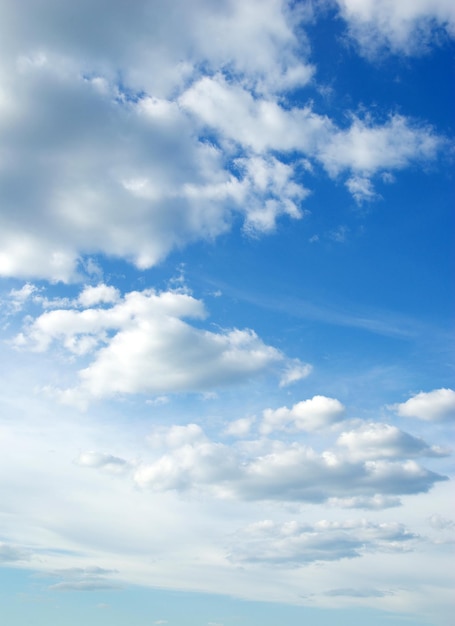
<point>299,544</point>
<point>408,26</point>
<point>429,406</point>
<point>367,147</point>
<point>142,344</point>
<point>313,414</point>
<point>376,440</point>
<point>275,470</point>
<point>93,166</point>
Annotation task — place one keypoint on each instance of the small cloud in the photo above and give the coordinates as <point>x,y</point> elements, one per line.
<point>296,370</point>
<point>339,235</point>
<point>437,405</point>
<point>361,189</point>
<point>240,427</point>
<point>107,462</point>
<point>158,401</point>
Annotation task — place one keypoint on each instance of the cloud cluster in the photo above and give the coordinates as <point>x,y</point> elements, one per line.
<point>369,467</point>
<point>401,27</point>
<point>142,343</point>
<point>171,152</point>
<point>297,544</point>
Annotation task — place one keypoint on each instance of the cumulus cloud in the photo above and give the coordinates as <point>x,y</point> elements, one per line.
<point>294,543</point>
<point>128,170</point>
<point>376,440</point>
<point>275,470</point>
<point>141,344</point>
<point>93,151</point>
<point>437,405</point>
<point>313,414</point>
<point>406,27</point>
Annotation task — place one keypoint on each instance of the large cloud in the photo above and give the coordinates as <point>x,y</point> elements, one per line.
<point>148,130</point>
<point>142,344</point>
<point>277,470</point>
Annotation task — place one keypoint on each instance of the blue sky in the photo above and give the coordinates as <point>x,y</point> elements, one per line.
<point>226,302</point>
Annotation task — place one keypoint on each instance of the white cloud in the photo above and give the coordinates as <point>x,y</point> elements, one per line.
<point>313,414</point>
<point>361,189</point>
<point>429,406</point>
<point>101,294</point>
<point>408,26</point>
<point>376,440</point>
<point>366,148</point>
<point>295,372</point>
<point>274,470</point>
<point>299,544</point>
<point>107,462</point>
<point>141,344</point>
<point>125,170</point>
<point>240,427</point>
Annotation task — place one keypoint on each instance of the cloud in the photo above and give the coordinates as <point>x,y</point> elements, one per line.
<point>92,578</point>
<point>357,593</point>
<point>117,168</point>
<point>280,471</point>
<point>316,413</point>
<point>107,462</point>
<point>366,148</point>
<point>177,150</point>
<point>297,544</point>
<point>437,405</point>
<point>376,441</point>
<point>141,344</point>
<point>400,27</point>
<point>240,427</point>
<point>10,553</point>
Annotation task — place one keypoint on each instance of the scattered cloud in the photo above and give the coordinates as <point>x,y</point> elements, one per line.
<point>399,27</point>
<point>432,406</point>
<point>376,440</point>
<point>295,543</point>
<point>106,462</point>
<point>141,344</point>
<point>316,413</point>
<point>287,472</point>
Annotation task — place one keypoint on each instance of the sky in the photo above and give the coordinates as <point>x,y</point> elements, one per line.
<point>226,312</point>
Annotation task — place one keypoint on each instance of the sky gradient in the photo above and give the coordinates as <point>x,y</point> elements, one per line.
<point>226,302</point>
